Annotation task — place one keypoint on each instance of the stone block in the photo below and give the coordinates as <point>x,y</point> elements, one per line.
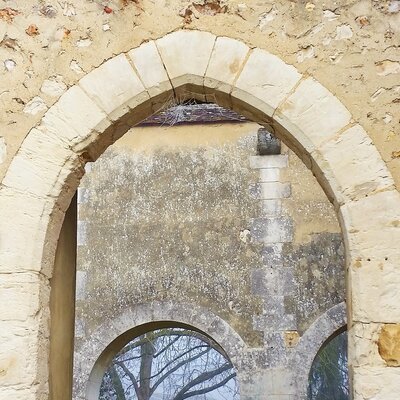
<point>269,174</point>
<point>83,195</point>
<point>273,161</point>
<point>274,190</point>
<point>272,230</point>
<point>17,393</point>
<point>389,344</point>
<point>186,55</point>
<point>276,352</point>
<point>376,383</point>
<point>265,81</point>
<point>75,119</point>
<point>36,168</point>
<point>19,354</point>
<point>22,233</point>
<point>373,227</point>
<point>363,339</point>
<point>272,254</point>
<point>150,68</point>
<point>81,279</point>
<point>225,63</point>
<point>271,208</point>
<point>81,236</point>
<point>352,165</point>
<point>258,281</point>
<point>80,330</point>
<point>312,114</point>
<point>115,87</point>
<point>374,291</point>
<point>283,384</point>
<point>20,296</point>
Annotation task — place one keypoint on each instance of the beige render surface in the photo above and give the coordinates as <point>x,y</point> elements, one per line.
<point>40,184</point>
<point>179,207</point>
<point>361,67</point>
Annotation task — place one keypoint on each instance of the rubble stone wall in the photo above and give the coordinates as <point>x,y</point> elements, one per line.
<point>322,76</point>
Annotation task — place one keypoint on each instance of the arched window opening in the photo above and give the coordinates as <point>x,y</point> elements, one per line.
<point>172,363</point>
<point>329,375</point>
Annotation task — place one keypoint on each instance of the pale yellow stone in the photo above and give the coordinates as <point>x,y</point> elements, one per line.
<point>312,114</point>
<point>265,81</point>
<point>352,165</point>
<point>376,383</point>
<point>74,117</point>
<point>19,353</point>
<point>225,64</point>
<point>22,231</point>
<point>186,55</point>
<point>36,168</point>
<point>372,226</point>
<point>113,86</point>
<point>374,290</point>
<point>363,338</point>
<point>389,344</point>
<point>150,68</point>
<point>22,291</point>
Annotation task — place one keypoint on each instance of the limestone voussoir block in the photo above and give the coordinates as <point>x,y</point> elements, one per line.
<point>376,383</point>
<point>352,165</point>
<point>22,231</point>
<point>36,167</point>
<point>226,62</point>
<point>20,295</point>
<point>74,118</point>
<point>265,81</point>
<point>115,87</point>
<point>374,290</point>
<point>312,114</point>
<point>150,68</point>
<point>186,55</point>
<point>19,353</point>
<point>372,227</point>
<point>17,393</point>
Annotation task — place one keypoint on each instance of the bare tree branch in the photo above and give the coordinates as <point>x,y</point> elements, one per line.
<point>206,389</point>
<point>205,376</point>
<point>172,370</point>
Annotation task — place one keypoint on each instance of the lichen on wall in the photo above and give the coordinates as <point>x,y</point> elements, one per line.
<point>167,225</point>
<point>174,215</point>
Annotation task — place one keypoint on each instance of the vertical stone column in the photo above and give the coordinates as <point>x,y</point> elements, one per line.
<point>274,281</point>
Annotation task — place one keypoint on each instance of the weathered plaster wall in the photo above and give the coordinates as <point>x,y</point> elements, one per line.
<point>172,214</point>
<point>166,223</point>
<point>360,68</point>
<point>351,47</point>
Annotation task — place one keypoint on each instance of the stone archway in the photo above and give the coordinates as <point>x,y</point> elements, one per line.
<point>92,114</point>
<point>312,340</point>
<point>112,336</point>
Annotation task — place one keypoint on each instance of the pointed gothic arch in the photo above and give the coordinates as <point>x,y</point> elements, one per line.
<point>44,175</point>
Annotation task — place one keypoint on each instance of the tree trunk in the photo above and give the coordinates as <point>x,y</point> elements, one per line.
<point>147,352</point>
<point>119,390</point>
